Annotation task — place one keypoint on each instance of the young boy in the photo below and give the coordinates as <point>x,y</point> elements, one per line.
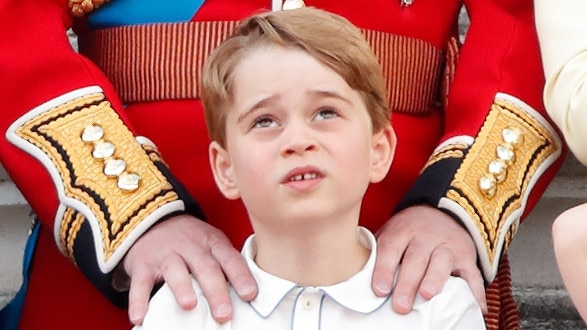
<point>296,108</point>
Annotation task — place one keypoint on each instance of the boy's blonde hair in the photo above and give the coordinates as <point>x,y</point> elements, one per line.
<point>329,38</point>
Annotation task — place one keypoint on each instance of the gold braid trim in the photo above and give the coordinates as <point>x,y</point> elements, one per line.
<point>116,211</point>
<point>68,229</point>
<point>153,153</point>
<point>455,150</point>
<point>492,214</point>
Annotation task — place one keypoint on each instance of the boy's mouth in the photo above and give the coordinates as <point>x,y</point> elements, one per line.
<point>304,176</point>
<point>303,173</point>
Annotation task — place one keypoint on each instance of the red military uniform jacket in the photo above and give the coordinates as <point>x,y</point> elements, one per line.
<point>473,138</point>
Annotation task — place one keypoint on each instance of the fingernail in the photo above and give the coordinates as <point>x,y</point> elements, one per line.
<point>430,289</point>
<point>383,288</point>
<point>402,300</point>
<point>246,290</point>
<point>187,301</point>
<point>134,315</point>
<point>222,311</point>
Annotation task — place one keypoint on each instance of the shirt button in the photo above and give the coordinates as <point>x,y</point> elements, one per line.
<point>308,305</point>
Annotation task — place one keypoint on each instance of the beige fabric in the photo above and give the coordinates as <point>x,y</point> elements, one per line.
<point>562,32</point>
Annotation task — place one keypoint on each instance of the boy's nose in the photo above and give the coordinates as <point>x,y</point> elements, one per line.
<point>298,140</point>
<point>298,148</point>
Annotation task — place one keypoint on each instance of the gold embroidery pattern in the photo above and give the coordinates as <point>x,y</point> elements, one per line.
<point>153,153</point>
<point>511,233</point>
<point>489,213</point>
<point>57,133</point>
<point>456,150</point>
<point>68,229</point>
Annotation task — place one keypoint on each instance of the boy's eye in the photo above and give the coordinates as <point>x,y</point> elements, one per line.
<point>326,113</point>
<point>263,122</point>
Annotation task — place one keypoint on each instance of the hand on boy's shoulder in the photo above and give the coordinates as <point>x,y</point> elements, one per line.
<point>432,246</point>
<point>454,307</point>
<point>177,247</point>
<point>164,312</point>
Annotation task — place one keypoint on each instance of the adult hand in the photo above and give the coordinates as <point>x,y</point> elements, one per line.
<point>173,249</point>
<point>431,246</point>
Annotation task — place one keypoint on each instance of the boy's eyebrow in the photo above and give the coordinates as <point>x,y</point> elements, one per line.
<point>321,93</point>
<point>263,102</point>
<point>333,94</point>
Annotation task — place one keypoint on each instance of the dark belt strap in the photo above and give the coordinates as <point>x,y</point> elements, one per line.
<point>164,61</point>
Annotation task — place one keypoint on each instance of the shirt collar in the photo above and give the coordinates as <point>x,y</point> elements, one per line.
<point>354,294</point>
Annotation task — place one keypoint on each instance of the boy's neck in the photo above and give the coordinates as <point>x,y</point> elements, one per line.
<point>311,256</point>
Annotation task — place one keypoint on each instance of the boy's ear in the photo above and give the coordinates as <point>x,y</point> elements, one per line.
<point>223,171</point>
<point>382,152</point>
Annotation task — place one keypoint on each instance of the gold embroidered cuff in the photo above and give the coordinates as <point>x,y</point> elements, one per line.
<point>104,178</point>
<point>491,186</point>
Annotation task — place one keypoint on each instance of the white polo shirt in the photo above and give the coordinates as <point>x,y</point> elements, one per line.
<point>351,304</point>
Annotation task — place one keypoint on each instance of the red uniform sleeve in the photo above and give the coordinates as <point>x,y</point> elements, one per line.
<point>67,145</point>
<point>499,150</point>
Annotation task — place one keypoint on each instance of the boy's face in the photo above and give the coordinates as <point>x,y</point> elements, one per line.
<point>299,144</point>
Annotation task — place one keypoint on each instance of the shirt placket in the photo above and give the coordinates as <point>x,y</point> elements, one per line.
<point>307,310</point>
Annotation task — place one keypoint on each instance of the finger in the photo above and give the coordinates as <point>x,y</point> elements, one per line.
<point>475,280</point>
<point>411,272</point>
<point>177,277</point>
<point>141,285</point>
<point>236,270</point>
<point>438,271</point>
<point>215,289</point>
<point>390,249</point>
